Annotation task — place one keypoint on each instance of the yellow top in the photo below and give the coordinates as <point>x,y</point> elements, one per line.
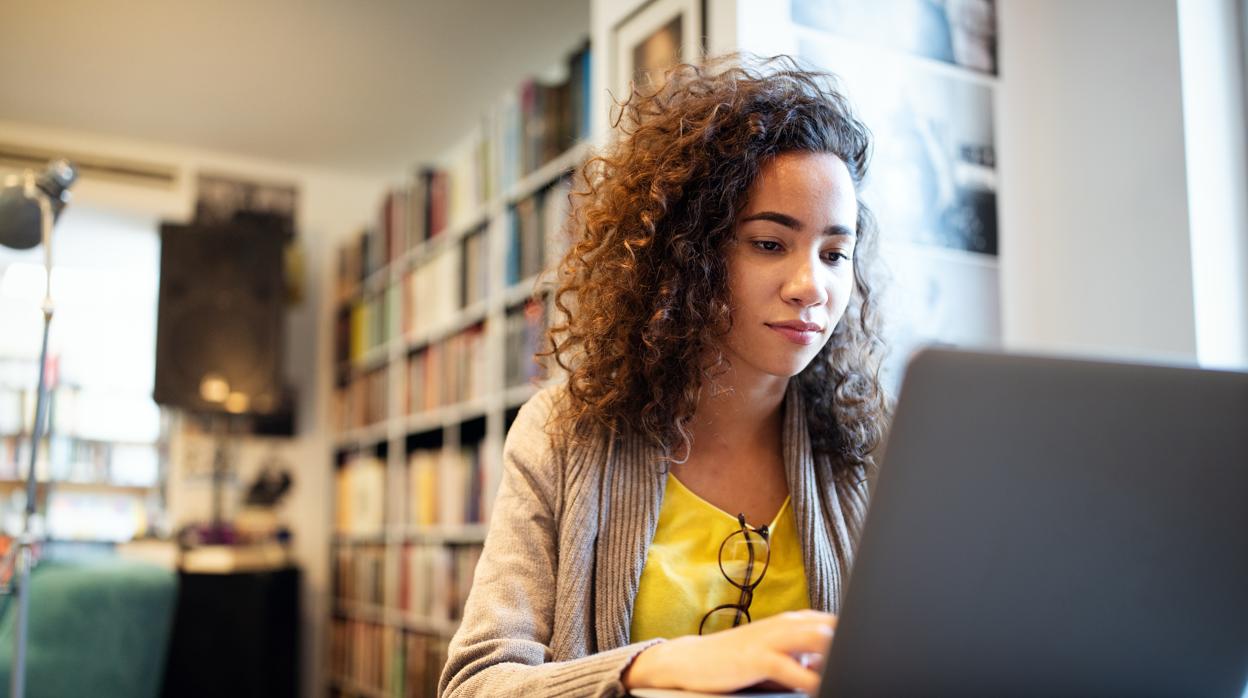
<point>682,580</point>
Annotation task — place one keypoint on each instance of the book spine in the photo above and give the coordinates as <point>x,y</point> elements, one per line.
<point>439,195</point>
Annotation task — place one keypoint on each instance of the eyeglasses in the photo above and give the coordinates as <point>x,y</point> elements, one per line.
<point>743,559</point>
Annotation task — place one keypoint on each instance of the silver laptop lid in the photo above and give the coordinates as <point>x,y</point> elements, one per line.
<point>1052,527</point>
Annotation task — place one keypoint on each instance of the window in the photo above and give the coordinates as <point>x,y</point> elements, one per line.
<point>103,452</point>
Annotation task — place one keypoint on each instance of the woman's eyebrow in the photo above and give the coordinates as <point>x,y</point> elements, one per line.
<point>790,222</point>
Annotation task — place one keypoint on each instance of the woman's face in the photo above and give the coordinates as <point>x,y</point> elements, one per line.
<point>790,265</point>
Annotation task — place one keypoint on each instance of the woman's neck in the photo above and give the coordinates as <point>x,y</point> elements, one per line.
<point>736,416</point>
<point>736,460</point>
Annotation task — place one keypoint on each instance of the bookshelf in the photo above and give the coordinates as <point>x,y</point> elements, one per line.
<point>437,317</point>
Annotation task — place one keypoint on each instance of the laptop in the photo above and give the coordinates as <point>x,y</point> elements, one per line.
<point>1051,527</point>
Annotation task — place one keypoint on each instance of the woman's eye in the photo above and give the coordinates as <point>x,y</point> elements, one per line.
<point>835,257</point>
<point>767,245</point>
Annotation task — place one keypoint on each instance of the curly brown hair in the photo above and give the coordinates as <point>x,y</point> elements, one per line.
<point>643,290</point>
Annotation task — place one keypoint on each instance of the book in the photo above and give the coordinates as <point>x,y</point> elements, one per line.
<point>474,269</point>
<point>439,194</point>
<point>438,579</point>
<point>555,208</point>
<point>359,486</point>
<point>359,575</point>
<point>432,293</point>
<point>524,336</point>
<point>365,654</point>
<point>537,233</point>
<point>580,71</point>
<point>422,477</point>
<point>418,222</point>
<point>528,236</point>
<point>447,372</point>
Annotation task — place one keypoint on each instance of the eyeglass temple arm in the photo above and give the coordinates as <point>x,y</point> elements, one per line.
<point>761,530</point>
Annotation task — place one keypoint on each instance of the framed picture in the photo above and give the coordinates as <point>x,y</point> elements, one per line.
<point>933,177</point>
<point>961,32</point>
<point>222,199</point>
<point>657,36</point>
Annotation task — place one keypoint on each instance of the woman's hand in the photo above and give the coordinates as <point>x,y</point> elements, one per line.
<point>730,660</point>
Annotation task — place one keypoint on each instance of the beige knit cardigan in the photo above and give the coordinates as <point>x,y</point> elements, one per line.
<point>552,600</point>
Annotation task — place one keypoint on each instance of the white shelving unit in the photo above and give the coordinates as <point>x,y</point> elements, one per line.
<point>443,424</point>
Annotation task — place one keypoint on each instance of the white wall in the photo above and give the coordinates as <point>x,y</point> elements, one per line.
<point>1096,253</point>
<point>331,207</point>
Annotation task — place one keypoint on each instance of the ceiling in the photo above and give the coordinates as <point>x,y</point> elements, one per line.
<point>369,87</point>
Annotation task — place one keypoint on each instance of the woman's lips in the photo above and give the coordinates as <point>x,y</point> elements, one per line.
<point>802,337</point>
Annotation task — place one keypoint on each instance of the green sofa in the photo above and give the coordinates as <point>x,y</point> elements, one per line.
<point>97,628</point>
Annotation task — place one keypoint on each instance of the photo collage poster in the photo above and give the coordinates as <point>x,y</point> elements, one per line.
<point>922,75</point>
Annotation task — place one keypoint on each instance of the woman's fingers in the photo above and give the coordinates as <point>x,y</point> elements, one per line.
<point>808,614</point>
<point>766,650</point>
<point>793,635</point>
<point>812,660</point>
<point>805,638</point>
<point>800,631</point>
<point>788,671</point>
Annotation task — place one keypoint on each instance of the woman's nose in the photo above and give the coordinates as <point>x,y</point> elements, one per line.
<point>802,285</point>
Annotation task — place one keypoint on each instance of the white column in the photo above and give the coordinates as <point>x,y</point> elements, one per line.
<point>1212,66</point>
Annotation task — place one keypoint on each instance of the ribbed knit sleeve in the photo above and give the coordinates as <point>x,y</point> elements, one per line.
<point>503,646</point>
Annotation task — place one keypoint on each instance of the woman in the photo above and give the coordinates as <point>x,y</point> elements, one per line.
<point>666,514</point>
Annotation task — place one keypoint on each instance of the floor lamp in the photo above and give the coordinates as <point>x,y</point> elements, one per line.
<point>29,207</point>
